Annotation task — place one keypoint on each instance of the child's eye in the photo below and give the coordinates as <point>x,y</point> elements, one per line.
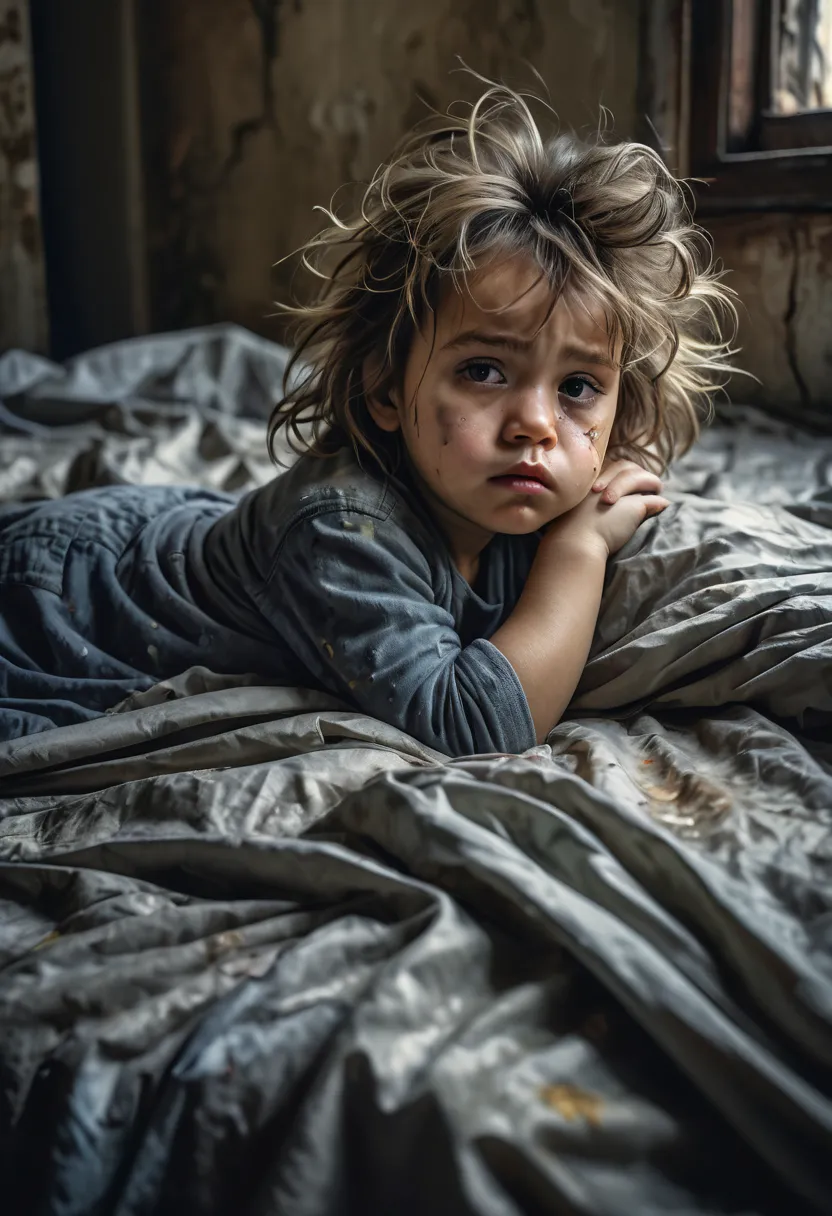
<point>479,372</point>
<point>580,389</point>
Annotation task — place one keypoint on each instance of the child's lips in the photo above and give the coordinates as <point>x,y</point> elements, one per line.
<point>520,484</point>
<point>525,478</point>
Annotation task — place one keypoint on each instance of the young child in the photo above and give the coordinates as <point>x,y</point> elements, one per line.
<point>511,337</point>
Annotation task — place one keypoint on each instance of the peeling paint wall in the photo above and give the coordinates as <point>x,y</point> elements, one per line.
<point>22,290</point>
<point>257,110</point>
<point>780,266</point>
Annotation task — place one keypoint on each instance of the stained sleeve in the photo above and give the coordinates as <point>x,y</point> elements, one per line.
<point>351,596</point>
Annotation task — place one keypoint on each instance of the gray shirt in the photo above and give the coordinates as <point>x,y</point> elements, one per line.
<point>330,577</point>
<point>345,574</point>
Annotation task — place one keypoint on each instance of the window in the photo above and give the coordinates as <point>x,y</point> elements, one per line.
<point>760,104</point>
<point>802,64</point>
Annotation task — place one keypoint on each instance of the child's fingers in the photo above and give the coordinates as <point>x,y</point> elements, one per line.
<point>637,481</point>
<point>604,480</point>
<point>601,486</point>
<point>654,504</point>
<point>624,477</point>
<point>608,474</point>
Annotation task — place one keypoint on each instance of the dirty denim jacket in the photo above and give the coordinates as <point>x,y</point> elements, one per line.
<point>330,577</point>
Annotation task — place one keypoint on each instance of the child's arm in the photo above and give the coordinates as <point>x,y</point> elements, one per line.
<point>353,598</point>
<point>358,601</point>
<point>547,637</point>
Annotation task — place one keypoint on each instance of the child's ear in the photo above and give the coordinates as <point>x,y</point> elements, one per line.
<point>383,404</point>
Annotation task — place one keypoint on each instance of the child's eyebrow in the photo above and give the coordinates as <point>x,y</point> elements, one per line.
<point>588,354</point>
<point>476,337</point>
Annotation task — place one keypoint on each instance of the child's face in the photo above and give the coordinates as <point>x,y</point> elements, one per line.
<point>489,388</point>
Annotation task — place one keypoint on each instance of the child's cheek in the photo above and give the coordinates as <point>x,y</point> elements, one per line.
<point>458,435</point>
<point>450,422</point>
<point>586,438</point>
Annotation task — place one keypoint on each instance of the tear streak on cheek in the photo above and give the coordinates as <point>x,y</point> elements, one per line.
<point>582,431</point>
<point>448,420</point>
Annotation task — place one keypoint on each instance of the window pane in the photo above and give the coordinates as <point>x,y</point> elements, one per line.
<point>803,56</point>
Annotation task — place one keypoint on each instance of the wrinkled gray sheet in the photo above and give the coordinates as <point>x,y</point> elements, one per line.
<point>261,954</point>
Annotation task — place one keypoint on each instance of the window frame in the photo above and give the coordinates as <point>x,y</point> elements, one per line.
<point>734,144</point>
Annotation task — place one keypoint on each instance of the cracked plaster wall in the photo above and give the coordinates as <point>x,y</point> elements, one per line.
<point>22,289</point>
<point>257,110</point>
<point>780,266</point>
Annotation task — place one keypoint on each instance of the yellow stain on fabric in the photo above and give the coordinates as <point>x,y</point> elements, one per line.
<point>366,527</point>
<point>660,793</point>
<point>220,943</point>
<point>572,1103</point>
<point>48,940</point>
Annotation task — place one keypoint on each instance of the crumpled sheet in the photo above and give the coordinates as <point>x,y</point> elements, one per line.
<point>262,954</point>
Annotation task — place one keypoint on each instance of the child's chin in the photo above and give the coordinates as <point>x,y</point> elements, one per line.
<point>520,520</point>
<point>518,527</point>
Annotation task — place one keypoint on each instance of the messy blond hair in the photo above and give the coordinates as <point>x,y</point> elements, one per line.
<point>606,220</point>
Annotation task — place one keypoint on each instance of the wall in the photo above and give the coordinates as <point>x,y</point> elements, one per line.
<point>22,292</point>
<point>780,265</point>
<point>90,163</point>
<point>256,110</point>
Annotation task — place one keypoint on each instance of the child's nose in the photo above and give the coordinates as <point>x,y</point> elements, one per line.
<point>534,420</point>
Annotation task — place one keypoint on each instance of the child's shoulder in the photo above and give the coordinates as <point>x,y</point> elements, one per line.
<point>309,497</point>
<point>325,504</point>
<point>315,484</point>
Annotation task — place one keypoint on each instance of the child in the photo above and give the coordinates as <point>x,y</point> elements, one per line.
<point>511,337</point>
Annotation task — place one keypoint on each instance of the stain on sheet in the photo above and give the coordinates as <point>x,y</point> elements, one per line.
<point>221,943</point>
<point>573,1103</point>
<point>688,803</point>
<point>49,940</point>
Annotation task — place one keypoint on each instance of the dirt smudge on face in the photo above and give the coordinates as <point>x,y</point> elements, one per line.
<point>444,418</point>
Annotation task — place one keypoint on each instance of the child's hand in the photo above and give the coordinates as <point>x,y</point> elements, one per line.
<point>621,499</point>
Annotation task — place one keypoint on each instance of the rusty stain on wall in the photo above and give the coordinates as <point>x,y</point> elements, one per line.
<point>22,281</point>
<point>255,111</point>
<point>780,266</point>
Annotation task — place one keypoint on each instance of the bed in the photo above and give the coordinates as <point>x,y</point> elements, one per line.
<point>261,954</point>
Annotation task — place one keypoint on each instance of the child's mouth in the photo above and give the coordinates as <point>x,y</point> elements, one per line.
<point>519,484</point>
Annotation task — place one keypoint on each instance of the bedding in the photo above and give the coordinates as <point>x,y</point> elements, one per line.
<point>260,953</point>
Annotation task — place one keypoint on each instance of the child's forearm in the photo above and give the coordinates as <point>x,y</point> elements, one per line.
<point>547,637</point>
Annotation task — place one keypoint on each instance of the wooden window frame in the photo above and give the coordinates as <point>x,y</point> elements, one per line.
<point>747,158</point>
